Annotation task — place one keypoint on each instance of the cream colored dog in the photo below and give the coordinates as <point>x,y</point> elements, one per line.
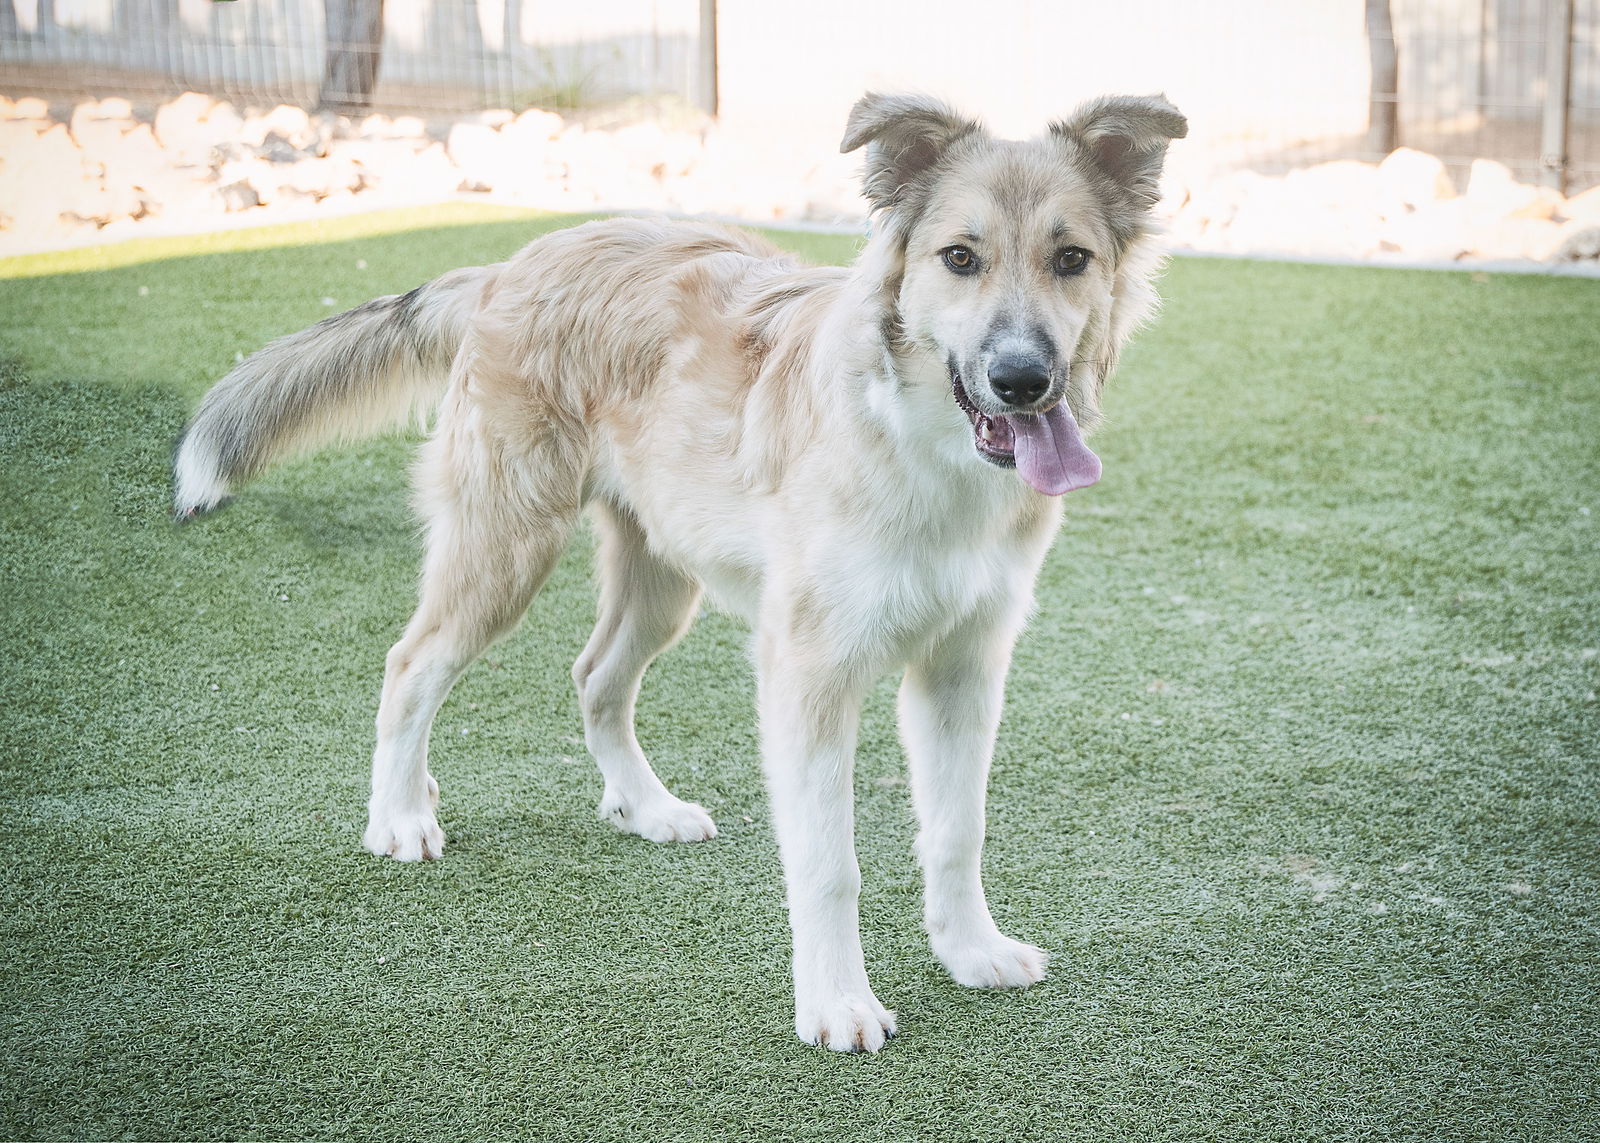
<point>862,462</point>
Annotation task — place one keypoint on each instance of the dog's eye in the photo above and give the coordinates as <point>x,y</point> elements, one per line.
<point>960,259</point>
<point>1071,260</point>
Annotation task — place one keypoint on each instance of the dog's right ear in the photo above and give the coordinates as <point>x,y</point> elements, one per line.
<point>905,135</point>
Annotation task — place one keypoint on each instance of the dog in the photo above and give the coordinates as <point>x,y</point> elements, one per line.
<point>864,463</point>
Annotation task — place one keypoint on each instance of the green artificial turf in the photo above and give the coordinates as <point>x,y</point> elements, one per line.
<point>1297,779</point>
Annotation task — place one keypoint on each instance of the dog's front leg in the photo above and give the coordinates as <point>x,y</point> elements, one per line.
<point>809,712</point>
<point>950,705</point>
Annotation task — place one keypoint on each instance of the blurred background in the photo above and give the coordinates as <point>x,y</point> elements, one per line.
<point>1269,88</point>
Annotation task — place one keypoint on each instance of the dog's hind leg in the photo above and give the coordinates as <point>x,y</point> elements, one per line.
<point>645,606</point>
<point>950,705</point>
<point>498,519</point>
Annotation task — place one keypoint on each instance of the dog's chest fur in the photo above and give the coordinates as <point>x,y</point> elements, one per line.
<point>888,531</point>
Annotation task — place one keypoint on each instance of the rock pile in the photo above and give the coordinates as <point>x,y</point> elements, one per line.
<point>104,172</point>
<point>1406,208</point>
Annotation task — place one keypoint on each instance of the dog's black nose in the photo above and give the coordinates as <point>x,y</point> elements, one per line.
<point>1019,381</point>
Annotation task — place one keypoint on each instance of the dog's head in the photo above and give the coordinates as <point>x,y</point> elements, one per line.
<point>1023,266</point>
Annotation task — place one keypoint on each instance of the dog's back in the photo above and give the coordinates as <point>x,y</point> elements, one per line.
<point>578,322</point>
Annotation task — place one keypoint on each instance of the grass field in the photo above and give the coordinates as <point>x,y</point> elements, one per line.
<point>1297,779</point>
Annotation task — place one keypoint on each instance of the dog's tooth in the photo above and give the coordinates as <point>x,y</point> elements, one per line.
<point>985,429</point>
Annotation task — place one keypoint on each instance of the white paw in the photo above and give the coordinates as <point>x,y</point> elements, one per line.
<point>662,818</point>
<point>844,1022</point>
<point>405,835</point>
<point>994,962</point>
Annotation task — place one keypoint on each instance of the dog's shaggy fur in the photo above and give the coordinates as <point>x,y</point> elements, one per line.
<point>862,462</point>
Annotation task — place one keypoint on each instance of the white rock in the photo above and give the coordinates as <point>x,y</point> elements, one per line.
<point>1513,238</point>
<point>593,159</point>
<point>433,163</point>
<point>1579,241</point>
<point>748,193</point>
<point>135,149</point>
<point>536,124</point>
<point>292,123</point>
<point>1495,193</point>
<point>489,160</point>
<point>376,155</point>
<point>1438,232</point>
<point>30,107</point>
<point>1214,203</point>
<point>112,108</point>
<point>1548,205</point>
<point>226,123</point>
<point>191,125</point>
<point>1584,207</point>
<point>16,134</point>
<point>92,202</point>
<point>833,191</point>
<point>248,169</point>
<point>320,178</point>
<point>190,107</point>
<point>640,144</point>
<point>473,146</point>
<point>1408,179</point>
<point>1268,226</point>
<point>45,176</point>
<point>93,130</point>
<point>396,172</point>
<point>129,160</point>
<point>525,150</point>
<point>680,154</point>
<point>181,192</point>
<point>1174,196</point>
<point>1336,184</point>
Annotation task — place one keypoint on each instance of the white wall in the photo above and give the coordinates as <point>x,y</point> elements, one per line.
<point>1263,66</point>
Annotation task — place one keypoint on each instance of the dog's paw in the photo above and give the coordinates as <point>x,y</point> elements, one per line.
<point>845,1023</point>
<point>995,962</point>
<point>659,819</point>
<point>405,835</point>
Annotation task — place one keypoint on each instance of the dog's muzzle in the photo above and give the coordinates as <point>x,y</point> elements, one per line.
<point>1045,446</point>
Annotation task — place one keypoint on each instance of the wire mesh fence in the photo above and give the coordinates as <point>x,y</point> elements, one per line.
<point>424,55</point>
<point>1512,80</point>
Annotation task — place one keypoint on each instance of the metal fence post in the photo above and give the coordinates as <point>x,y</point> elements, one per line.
<point>1383,94</point>
<point>706,81</point>
<point>1557,92</point>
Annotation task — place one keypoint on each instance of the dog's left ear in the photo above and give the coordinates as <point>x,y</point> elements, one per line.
<point>1126,136</point>
<point>907,134</point>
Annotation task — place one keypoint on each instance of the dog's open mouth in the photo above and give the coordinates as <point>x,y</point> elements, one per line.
<point>1047,449</point>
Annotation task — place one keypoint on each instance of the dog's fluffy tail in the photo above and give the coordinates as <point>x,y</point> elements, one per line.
<point>351,375</point>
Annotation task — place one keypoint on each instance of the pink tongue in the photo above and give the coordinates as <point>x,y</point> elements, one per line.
<point>1051,455</point>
